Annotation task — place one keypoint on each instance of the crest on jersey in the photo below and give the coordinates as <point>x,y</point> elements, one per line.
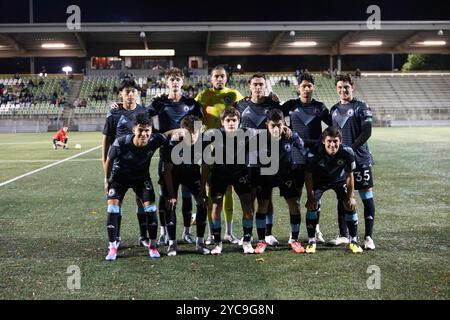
<point>228,99</point>
<point>186,108</point>
<point>288,183</point>
<point>287,147</point>
<point>111,192</point>
<point>350,112</point>
<point>340,162</point>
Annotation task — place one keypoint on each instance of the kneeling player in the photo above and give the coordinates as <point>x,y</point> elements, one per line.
<point>283,179</point>
<point>61,138</point>
<point>127,167</point>
<point>235,174</point>
<point>186,173</point>
<point>331,167</point>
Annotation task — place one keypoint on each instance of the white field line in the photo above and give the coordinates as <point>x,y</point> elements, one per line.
<point>48,160</point>
<point>48,166</point>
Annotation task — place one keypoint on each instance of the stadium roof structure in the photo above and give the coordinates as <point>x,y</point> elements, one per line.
<point>212,38</point>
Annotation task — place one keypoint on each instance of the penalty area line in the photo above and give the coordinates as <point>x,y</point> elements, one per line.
<point>48,166</point>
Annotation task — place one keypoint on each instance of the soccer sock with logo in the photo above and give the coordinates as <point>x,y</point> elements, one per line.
<point>295,225</point>
<point>247,226</point>
<point>369,211</point>
<point>351,218</point>
<point>216,229</point>
<point>201,221</point>
<point>112,222</point>
<point>311,222</point>
<point>151,221</point>
<point>343,231</point>
<point>269,223</point>
<point>186,209</point>
<point>171,223</point>
<point>142,220</point>
<point>260,219</point>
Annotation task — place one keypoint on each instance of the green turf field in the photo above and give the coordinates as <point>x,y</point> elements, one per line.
<point>55,218</point>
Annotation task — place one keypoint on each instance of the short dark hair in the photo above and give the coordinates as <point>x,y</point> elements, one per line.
<point>174,72</point>
<point>345,78</point>
<point>275,115</point>
<point>142,119</point>
<point>129,83</point>
<point>230,112</point>
<point>306,77</point>
<point>188,122</point>
<point>219,67</point>
<point>332,131</point>
<point>257,75</point>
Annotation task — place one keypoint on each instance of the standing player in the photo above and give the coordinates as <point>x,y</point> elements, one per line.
<point>126,166</point>
<point>61,138</point>
<point>171,109</point>
<point>354,118</point>
<point>119,122</point>
<point>254,110</point>
<point>283,179</point>
<point>230,173</point>
<point>214,100</point>
<point>185,173</point>
<point>305,118</point>
<point>331,167</point>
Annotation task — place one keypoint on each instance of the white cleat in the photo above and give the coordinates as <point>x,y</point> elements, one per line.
<point>319,237</point>
<point>143,242</point>
<point>339,240</point>
<point>271,240</point>
<point>202,249</point>
<point>247,246</point>
<point>231,238</point>
<point>187,237</point>
<point>217,249</point>
<point>369,244</point>
<point>163,240</point>
<point>112,254</point>
<point>290,239</point>
<point>153,252</point>
<point>241,241</point>
<point>172,250</point>
<point>209,240</point>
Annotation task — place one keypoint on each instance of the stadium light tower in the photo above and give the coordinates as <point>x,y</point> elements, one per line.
<point>67,69</point>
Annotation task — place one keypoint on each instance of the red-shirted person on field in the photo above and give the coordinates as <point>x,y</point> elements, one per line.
<point>60,139</point>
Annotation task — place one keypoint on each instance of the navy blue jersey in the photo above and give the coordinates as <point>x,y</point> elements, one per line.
<point>194,156</point>
<point>289,152</point>
<point>330,170</point>
<point>119,122</point>
<point>170,113</point>
<point>253,115</point>
<point>351,117</point>
<point>130,163</point>
<point>306,120</point>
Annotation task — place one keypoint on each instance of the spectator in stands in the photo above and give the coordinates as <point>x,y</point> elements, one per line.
<point>61,138</point>
<point>358,73</point>
<point>17,76</point>
<point>297,73</point>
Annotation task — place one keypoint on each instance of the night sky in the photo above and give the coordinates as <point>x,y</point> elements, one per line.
<point>231,10</point>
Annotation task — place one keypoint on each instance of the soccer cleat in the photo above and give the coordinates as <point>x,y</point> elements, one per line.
<point>54,146</point>
<point>153,252</point>
<point>369,244</point>
<point>187,237</point>
<point>319,237</point>
<point>271,240</point>
<point>209,240</point>
<point>112,254</point>
<point>355,248</point>
<point>217,249</point>
<point>297,247</point>
<point>260,247</point>
<point>118,242</point>
<point>311,247</point>
<point>202,249</point>
<point>339,240</point>
<point>172,250</point>
<point>143,242</point>
<point>290,239</point>
<point>247,247</point>
<point>241,241</point>
<point>163,240</point>
<point>231,238</point>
